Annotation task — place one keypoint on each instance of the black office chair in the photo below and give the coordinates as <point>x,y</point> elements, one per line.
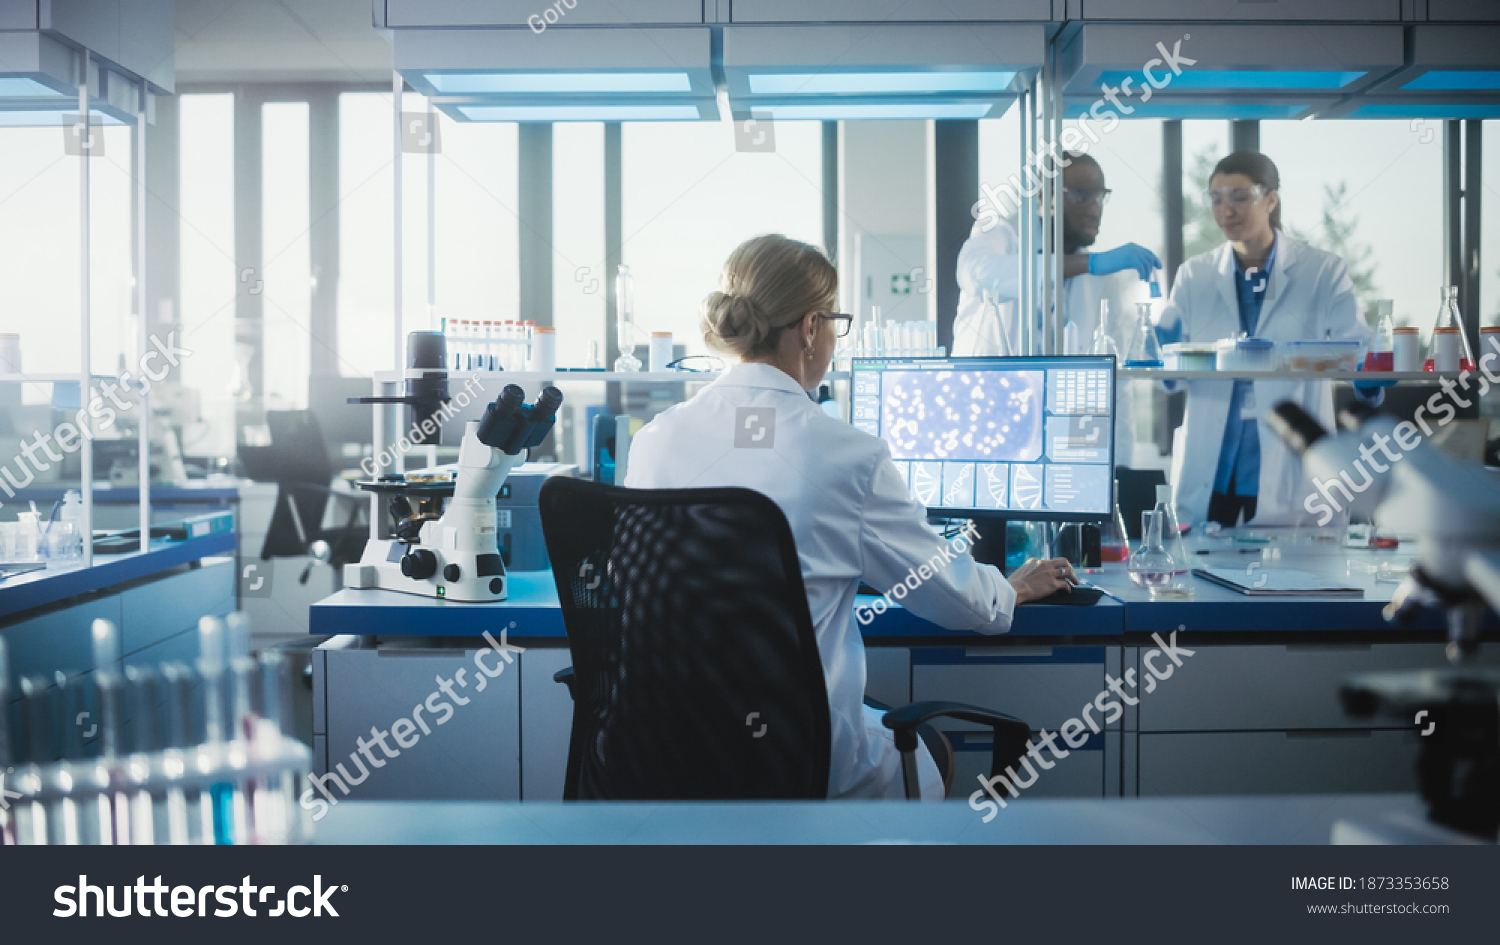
<point>696,673</point>
<point>297,461</point>
<point>1135,492</point>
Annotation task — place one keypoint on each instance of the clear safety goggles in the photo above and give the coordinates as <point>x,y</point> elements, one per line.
<point>1237,197</point>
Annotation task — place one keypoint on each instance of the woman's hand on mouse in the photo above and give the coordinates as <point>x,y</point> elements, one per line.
<point>1039,577</point>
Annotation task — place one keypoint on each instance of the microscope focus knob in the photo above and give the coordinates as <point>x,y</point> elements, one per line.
<point>451,573</point>
<point>419,564</point>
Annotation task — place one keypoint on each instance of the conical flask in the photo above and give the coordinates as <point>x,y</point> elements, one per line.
<point>1152,564</point>
<point>1114,544</point>
<point>1144,350</point>
<point>1450,349</point>
<point>1171,534</point>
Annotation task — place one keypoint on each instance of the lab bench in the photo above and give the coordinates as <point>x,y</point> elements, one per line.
<point>1255,710</point>
<point>155,597</point>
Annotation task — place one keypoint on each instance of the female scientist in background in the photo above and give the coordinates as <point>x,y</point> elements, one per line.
<point>849,509</point>
<point>1226,466</point>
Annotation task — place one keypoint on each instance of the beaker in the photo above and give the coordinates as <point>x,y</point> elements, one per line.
<point>1381,356</point>
<point>1151,565</point>
<point>1144,350</point>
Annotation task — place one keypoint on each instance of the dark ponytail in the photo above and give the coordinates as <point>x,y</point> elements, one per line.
<point>1258,168</point>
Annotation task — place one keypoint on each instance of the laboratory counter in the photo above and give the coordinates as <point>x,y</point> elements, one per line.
<point>1126,614</point>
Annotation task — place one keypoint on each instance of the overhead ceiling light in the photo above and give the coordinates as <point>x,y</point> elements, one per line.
<point>494,83</point>
<point>580,112</point>
<point>1216,109</point>
<point>18,87</point>
<point>1454,80</point>
<point>836,111</point>
<point>1241,79</point>
<point>888,83</point>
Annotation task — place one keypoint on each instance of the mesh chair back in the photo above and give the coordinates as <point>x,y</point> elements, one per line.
<point>696,666</point>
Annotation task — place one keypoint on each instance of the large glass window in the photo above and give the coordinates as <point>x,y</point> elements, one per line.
<point>209,283</point>
<point>690,198</point>
<point>476,268</point>
<point>287,293</point>
<point>578,273</point>
<point>1372,192</point>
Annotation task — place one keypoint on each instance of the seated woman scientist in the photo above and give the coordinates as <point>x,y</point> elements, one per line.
<point>849,509</point>
<point>1263,283</point>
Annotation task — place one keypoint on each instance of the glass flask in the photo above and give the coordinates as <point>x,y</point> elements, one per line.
<point>1381,356</point>
<point>625,321</point>
<point>1114,544</point>
<point>1151,565</point>
<point>1103,343</point>
<point>1448,338</point>
<point>1144,350</point>
<point>1171,533</point>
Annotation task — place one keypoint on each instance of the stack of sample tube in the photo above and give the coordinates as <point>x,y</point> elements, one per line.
<point>174,754</point>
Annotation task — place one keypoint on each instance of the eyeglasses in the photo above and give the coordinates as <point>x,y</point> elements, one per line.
<point>843,322</point>
<point>1099,196</point>
<point>697,364</point>
<point>1239,198</point>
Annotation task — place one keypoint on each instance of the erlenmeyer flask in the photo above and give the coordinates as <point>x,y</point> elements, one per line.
<point>1114,544</point>
<point>1450,349</point>
<point>1381,356</point>
<point>1151,565</point>
<point>1171,534</point>
<point>1144,350</point>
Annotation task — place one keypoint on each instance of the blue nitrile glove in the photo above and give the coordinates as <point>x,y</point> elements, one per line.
<point>1371,392</point>
<point>1129,256</point>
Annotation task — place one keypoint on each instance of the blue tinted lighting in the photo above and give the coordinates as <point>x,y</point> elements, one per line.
<point>17,87</point>
<point>1219,109</point>
<point>1453,80</point>
<point>835,111</point>
<point>1238,79</point>
<point>887,83</point>
<point>1426,110</point>
<point>580,112</point>
<point>465,83</point>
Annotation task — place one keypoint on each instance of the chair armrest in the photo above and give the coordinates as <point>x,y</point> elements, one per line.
<point>1011,734</point>
<point>565,676</point>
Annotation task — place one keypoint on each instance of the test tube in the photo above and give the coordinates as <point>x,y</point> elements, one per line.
<point>211,669</point>
<point>107,683</point>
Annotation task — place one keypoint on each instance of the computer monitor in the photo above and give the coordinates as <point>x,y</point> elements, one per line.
<point>1017,438</point>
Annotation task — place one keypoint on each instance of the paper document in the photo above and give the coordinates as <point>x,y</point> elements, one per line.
<point>1278,583</point>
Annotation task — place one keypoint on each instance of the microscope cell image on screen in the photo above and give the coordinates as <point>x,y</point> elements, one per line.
<point>963,416</point>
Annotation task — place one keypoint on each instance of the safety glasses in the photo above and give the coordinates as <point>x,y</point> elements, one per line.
<point>1237,197</point>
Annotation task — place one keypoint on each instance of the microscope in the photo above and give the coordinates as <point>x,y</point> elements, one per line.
<point>447,544</point>
<point>1454,510</point>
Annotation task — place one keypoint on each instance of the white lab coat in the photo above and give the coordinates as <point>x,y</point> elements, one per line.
<point>991,260</point>
<point>1309,297</point>
<point>852,518</point>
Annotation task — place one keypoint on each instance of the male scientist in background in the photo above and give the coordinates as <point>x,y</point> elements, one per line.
<point>989,262</point>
